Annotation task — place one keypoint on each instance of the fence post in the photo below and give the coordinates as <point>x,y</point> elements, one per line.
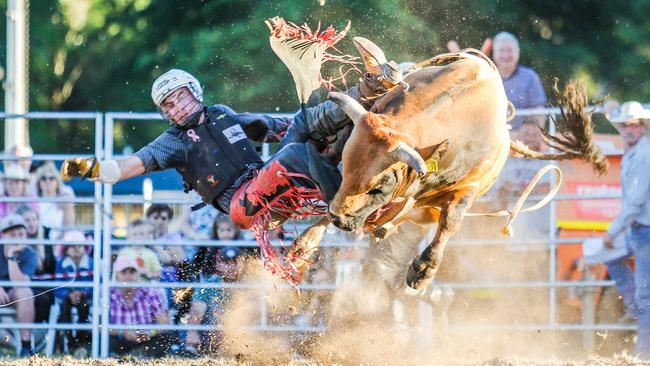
<point>106,239</point>
<point>97,230</point>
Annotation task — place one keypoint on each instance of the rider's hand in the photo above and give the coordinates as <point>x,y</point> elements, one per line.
<point>81,168</point>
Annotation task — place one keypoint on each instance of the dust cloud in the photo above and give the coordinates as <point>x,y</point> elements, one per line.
<point>365,326</point>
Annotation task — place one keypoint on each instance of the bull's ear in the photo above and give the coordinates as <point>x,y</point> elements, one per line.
<point>373,57</point>
<point>351,107</point>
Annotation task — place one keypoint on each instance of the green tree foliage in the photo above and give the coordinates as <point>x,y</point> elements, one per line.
<point>103,54</point>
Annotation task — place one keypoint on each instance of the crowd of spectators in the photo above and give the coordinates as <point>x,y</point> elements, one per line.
<point>39,207</point>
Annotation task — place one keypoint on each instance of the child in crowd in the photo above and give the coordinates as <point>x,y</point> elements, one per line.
<point>78,265</point>
<point>147,259</point>
<point>216,265</point>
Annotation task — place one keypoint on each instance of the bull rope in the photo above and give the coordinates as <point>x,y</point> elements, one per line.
<point>39,294</point>
<point>516,210</point>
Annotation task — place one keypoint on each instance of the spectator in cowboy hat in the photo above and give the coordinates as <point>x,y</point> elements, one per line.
<point>16,185</point>
<point>17,263</point>
<point>633,123</point>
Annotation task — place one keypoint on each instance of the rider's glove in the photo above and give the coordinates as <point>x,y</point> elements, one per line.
<point>105,171</point>
<point>80,168</point>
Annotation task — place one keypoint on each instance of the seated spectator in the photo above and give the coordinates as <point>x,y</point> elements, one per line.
<point>137,306</point>
<point>208,304</point>
<point>16,185</point>
<point>149,267</point>
<point>147,259</point>
<point>170,256</point>
<point>212,263</point>
<point>176,260</point>
<point>49,185</point>
<point>78,265</point>
<point>18,262</point>
<point>46,269</point>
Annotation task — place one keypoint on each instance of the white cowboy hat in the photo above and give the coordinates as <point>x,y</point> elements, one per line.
<point>630,112</point>
<point>15,171</point>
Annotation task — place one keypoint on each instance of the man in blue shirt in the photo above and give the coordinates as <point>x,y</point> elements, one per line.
<point>17,263</point>
<point>522,84</point>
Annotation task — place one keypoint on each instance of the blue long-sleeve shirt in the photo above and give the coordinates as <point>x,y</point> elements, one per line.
<point>635,184</point>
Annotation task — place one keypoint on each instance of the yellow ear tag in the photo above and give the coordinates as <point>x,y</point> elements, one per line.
<point>432,165</point>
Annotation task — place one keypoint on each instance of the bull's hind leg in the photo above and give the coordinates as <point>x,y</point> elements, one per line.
<point>424,267</point>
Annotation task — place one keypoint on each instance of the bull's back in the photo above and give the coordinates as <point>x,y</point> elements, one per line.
<point>465,103</point>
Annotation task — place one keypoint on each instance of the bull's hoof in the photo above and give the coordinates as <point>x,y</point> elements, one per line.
<point>431,294</point>
<point>419,275</point>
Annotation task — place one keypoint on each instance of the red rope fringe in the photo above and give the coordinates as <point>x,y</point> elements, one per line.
<point>329,38</point>
<point>290,204</point>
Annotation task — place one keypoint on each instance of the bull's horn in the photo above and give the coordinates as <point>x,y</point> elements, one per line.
<point>373,57</point>
<point>408,155</point>
<point>351,107</point>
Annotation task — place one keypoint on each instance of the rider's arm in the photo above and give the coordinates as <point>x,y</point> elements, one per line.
<point>318,123</point>
<point>167,151</point>
<point>258,127</point>
<point>130,167</point>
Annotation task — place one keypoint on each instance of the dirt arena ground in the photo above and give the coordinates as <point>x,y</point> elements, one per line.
<point>618,360</point>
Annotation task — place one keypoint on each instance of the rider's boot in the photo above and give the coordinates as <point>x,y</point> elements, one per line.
<point>325,119</point>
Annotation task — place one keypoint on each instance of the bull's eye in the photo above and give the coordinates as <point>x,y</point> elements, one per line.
<point>374,192</point>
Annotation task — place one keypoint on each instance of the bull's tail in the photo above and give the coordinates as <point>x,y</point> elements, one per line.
<point>574,139</point>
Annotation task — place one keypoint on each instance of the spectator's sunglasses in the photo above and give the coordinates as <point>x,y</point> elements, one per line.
<point>45,178</point>
<point>159,217</point>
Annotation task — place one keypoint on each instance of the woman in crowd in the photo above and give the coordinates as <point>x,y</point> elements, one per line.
<point>49,185</point>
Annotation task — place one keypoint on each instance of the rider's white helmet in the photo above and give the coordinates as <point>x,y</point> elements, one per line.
<point>173,80</point>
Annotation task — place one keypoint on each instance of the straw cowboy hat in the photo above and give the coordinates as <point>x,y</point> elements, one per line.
<point>15,171</point>
<point>631,112</point>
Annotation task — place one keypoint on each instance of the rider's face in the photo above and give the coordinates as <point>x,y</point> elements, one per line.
<point>179,105</point>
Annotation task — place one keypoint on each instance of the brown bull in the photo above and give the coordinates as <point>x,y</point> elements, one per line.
<point>427,152</point>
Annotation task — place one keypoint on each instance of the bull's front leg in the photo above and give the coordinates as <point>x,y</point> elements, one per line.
<point>424,267</point>
<point>305,246</point>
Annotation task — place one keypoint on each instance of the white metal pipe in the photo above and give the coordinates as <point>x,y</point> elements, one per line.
<point>97,240</point>
<point>15,83</point>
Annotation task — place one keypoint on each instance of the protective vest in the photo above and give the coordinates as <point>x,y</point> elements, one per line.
<point>219,152</point>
